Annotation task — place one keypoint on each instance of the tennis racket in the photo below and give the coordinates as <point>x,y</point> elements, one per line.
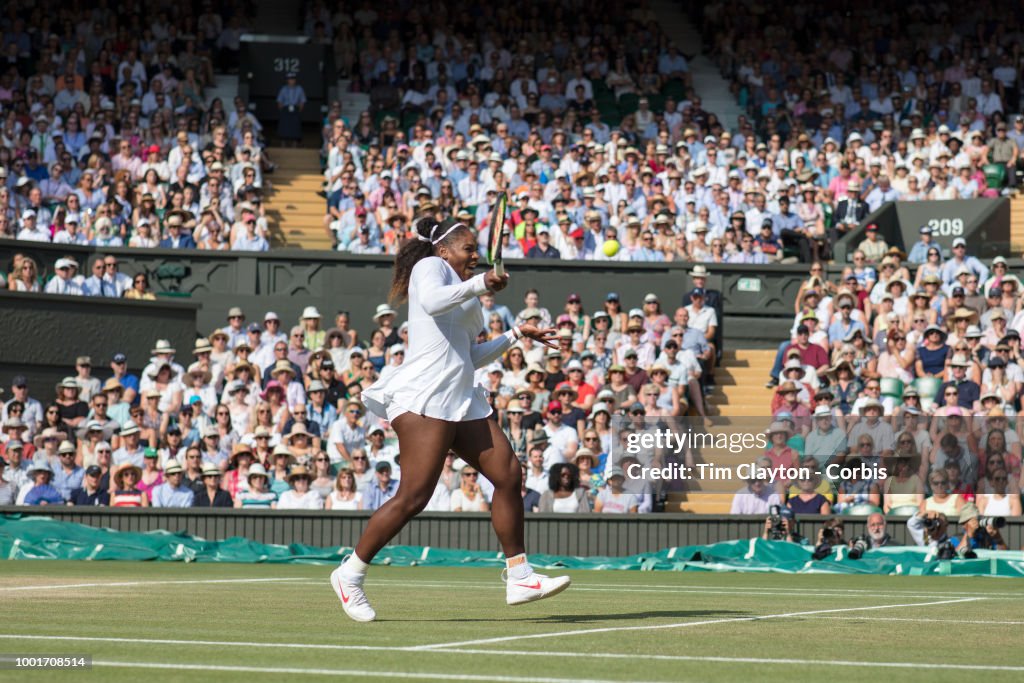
<point>497,229</point>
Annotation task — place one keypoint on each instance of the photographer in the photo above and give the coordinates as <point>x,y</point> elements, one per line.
<point>979,533</point>
<point>830,535</point>
<point>780,526</point>
<point>876,537</point>
<point>930,529</point>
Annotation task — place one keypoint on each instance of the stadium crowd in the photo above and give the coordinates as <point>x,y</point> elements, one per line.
<point>911,363</point>
<point>265,414</point>
<point>603,138</point>
<point>107,138</point>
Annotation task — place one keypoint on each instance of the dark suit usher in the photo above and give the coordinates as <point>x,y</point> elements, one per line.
<point>843,216</point>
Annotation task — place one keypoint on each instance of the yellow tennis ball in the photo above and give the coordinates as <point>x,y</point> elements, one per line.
<point>610,248</point>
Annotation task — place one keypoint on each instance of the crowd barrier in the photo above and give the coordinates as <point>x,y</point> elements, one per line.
<point>554,534</point>
<point>44,538</point>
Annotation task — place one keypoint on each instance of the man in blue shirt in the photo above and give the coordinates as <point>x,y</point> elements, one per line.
<point>42,493</point>
<point>919,252</point>
<point>790,228</point>
<point>172,493</point>
<point>647,252</point>
<point>68,476</point>
<point>975,536</point>
<point>839,330</point>
<point>960,258</point>
<point>382,490</point>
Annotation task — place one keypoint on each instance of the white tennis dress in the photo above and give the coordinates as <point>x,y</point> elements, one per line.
<point>436,379</point>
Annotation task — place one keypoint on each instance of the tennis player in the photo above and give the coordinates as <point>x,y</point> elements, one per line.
<point>434,406</point>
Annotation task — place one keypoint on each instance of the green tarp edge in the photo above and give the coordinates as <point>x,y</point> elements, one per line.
<point>43,538</point>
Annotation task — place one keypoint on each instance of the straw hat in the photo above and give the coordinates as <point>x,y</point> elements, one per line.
<point>257,470</point>
<point>240,449</point>
<point>122,470</point>
<point>298,430</point>
<point>197,369</point>
<point>297,472</point>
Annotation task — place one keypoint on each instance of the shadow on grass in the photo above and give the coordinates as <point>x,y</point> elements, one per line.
<point>594,618</point>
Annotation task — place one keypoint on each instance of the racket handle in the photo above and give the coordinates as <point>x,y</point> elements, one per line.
<point>499,269</point>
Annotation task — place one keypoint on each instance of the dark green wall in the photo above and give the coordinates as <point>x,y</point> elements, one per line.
<point>285,281</point>
<point>42,334</point>
<point>984,223</point>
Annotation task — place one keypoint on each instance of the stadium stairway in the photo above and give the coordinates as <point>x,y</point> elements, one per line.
<point>294,210</point>
<point>740,393</point>
<point>1017,224</point>
<point>707,80</point>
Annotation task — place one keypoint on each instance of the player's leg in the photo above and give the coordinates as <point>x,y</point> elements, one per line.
<point>423,443</point>
<point>483,445</point>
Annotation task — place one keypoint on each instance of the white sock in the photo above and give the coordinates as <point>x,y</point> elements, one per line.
<point>520,570</point>
<point>353,566</point>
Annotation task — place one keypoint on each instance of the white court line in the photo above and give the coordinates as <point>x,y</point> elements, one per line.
<point>981,622</point>
<point>683,624</point>
<point>740,660</point>
<point>692,588</point>
<point>530,653</point>
<point>440,676</point>
<point>614,588</point>
<point>112,584</point>
<point>205,643</point>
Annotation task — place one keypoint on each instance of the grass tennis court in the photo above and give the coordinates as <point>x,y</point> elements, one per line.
<point>178,622</point>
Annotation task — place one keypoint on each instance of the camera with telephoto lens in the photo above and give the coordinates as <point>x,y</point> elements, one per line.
<point>778,530</point>
<point>860,544</point>
<point>994,522</point>
<point>932,523</point>
<point>946,551</point>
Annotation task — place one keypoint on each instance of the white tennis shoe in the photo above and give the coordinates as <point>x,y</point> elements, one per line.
<point>353,599</point>
<point>534,587</point>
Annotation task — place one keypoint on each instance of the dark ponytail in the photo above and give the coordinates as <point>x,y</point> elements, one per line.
<point>416,249</point>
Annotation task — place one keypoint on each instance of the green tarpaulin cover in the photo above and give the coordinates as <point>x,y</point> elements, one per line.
<point>42,538</point>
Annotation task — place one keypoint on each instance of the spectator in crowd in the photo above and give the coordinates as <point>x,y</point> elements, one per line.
<point>382,490</point>
<point>90,493</point>
<point>563,493</point>
<point>172,492</point>
<point>211,494</point>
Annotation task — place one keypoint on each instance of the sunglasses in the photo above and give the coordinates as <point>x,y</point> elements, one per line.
<point>360,457</point>
<point>470,474</point>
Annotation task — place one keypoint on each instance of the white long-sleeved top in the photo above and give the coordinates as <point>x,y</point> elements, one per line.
<point>436,379</point>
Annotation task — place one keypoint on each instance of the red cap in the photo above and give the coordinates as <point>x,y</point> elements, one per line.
<point>576,234</point>
<point>555,407</point>
<point>872,227</point>
<point>360,211</point>
<point>153,149</point>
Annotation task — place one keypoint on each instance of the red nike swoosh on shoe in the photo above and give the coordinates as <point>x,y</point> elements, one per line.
<point>344,598</point>
<point>535,586</point>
